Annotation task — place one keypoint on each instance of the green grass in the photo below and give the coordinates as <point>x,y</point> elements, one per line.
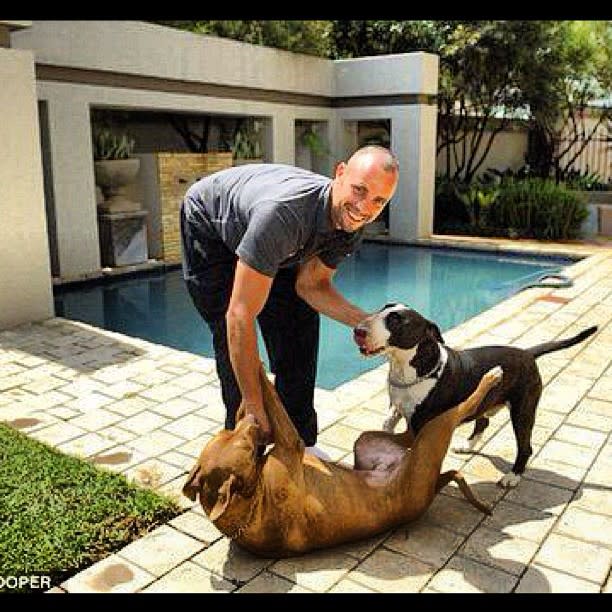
<point>59,514</point>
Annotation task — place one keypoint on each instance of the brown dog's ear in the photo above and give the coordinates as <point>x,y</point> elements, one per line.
<point>193,486</point>
<point>223,498</point>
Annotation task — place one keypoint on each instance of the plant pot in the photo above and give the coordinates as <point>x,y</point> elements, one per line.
<point>113,176</point>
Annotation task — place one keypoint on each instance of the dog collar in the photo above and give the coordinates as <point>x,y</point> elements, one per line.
<point>434,373</point>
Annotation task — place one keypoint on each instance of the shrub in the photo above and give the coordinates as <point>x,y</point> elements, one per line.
<point>538,208</point>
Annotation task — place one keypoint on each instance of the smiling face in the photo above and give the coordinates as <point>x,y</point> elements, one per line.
<point>362,187</point>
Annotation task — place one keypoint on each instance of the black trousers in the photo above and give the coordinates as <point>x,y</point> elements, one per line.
<point>289,327</point>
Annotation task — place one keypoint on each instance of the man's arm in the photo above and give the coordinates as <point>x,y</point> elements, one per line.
<point>314,285</point>
<point>249,294</point>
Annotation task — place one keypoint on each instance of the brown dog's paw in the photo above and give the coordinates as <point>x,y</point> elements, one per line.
<point>494,376</point>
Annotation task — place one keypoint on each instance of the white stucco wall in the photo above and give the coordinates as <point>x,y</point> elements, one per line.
<point>25,276</point>
<point>137,49</point>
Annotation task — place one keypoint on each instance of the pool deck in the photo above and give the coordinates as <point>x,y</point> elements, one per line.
<point>146,411</point>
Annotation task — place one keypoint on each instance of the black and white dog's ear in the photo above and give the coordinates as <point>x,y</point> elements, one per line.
<point>434,330</point>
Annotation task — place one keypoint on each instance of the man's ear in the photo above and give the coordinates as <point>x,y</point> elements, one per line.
<point>223,498</point>
<point>193,485</point>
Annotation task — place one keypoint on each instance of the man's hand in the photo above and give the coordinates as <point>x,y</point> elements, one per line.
<point>265,434</point>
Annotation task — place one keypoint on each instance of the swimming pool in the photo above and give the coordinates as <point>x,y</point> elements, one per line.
<point>448,286</point>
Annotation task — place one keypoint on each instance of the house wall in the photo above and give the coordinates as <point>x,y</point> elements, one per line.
<point>137,66</point>
<point>25,275</point>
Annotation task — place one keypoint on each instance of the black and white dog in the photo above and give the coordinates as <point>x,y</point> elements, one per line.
<point>426,377</point>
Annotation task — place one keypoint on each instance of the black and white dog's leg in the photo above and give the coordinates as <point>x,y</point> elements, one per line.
<point>392,420</point>
<point>479,426</point>
<point>523,420</point>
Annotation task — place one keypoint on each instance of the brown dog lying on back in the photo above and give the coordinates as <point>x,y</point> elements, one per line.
<point>287,502</point>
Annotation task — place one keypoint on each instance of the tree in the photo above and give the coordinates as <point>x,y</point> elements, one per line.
<point>299,36</point>
<point>568,87</point>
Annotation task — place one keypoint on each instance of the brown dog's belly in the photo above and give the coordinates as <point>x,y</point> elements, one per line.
<point>335,505</point>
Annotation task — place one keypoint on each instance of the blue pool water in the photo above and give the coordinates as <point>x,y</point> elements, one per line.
<point>447,286</point>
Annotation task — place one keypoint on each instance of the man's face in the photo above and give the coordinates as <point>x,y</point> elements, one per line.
<point>360,192</point>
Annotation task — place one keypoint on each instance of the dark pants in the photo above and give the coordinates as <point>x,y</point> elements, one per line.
<point>289,327</point>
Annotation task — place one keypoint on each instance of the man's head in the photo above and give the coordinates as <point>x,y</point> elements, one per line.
<point>362,187</point>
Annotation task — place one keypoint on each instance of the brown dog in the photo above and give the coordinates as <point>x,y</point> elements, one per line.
<point>287,502</point>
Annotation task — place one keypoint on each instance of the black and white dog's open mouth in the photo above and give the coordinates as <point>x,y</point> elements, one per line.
<point>360,336</point>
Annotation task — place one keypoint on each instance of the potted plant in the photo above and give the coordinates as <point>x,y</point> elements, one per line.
<point>115,169</point>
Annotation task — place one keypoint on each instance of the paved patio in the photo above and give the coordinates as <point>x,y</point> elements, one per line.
<point>146,411</point>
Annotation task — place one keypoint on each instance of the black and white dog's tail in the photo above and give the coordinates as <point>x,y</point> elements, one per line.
<point>557,345</point>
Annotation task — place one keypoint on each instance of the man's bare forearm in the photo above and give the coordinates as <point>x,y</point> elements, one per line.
<point>244,355</point>
<point>326,299</point>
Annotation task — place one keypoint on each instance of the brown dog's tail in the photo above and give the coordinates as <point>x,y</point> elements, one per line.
<point>557,345</point>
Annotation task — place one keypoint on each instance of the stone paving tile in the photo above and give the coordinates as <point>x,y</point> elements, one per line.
<point>521,522</point>
<point>267,582</point>
<point>161,550</point>
<point>387,571</point>
<point>86,446</point>
<point>131,406</point>
<point>156,443</point>
<point>174,408</point>
<point>572,454</point>
<point>227,559</point>
<point>539,496</point>
<point>190,578</point>
<point>178,459</point>
<point>340,436</point>
<point>346,585</point>
<point>580,436</point>
<point>587,526</point>
<point>362,548</point>
<point>465,575</point>
<point>123,389</point>
<point>194,447</point>
<point>594,498</point>
<point>580,559</point>
<point>197,526</point>
<point>96,419</point>
<point>363,419</point>
<point>498,549</point>
<point>190,426</point>
<point>452,513</point>
<point>111,575</point>
<point>602,389</point>
<point>162,393</point>
<point>173,490</point>
<point>317,571</point>
<point>542,579</point>
<point>152,473</point>
<point>57,433</point>
<point>555,473</point>
<point>144,422</point>
<point>427,543</point>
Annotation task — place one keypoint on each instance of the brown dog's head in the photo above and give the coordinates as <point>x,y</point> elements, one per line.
<point>227,465</point>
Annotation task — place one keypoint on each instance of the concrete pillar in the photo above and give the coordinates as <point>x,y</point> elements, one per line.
<point>413,139</point>
<point>25,276</point>
<point>283,138</point>
<point>73,187</point>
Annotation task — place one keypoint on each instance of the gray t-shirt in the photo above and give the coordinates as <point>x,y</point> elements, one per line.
<point>271,215</point>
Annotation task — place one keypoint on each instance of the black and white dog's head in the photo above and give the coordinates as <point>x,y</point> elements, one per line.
<point>395,326</point>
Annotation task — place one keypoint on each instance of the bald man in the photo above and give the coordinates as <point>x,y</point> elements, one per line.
<point>261,243</point>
